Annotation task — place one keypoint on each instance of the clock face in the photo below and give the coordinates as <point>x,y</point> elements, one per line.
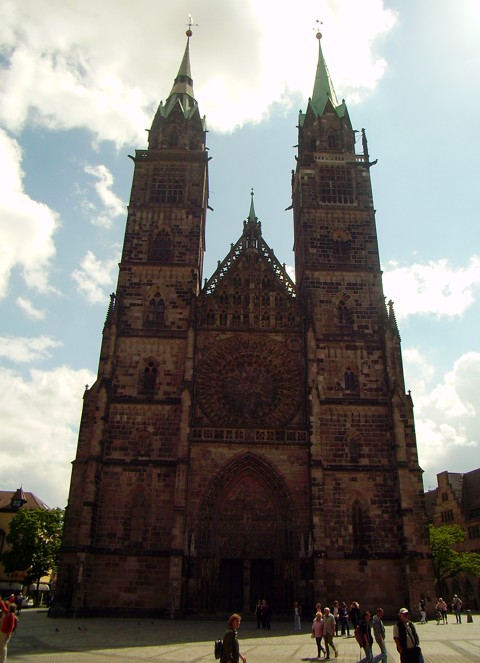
<point>249,382</point>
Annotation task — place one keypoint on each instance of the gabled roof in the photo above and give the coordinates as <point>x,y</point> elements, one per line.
<point>250,240</point>
<point>32,501</point>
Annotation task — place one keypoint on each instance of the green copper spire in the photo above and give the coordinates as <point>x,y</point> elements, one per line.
<point>323,90</point>
<point>182,90</point>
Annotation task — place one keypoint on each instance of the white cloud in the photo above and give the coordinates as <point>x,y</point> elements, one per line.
<point>61,75</point>
<point>36,448</point>
<point>27,227</point>
<point>447,415</point>
<point>113,206</point>
<point>29,309</point>
<point>94,276</point>
<point>437,288</point>
<point>26,350</point>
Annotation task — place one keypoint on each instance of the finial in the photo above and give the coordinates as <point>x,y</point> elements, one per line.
<point>319,34</point>
<point>190,24</point>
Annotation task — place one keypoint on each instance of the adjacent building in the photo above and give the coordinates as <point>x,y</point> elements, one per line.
<point>10,504</point>
<point>456,501</point>
<point>247,437</point>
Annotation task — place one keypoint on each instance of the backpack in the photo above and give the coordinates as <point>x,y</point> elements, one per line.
<point>218,648</point>
<point>359,637</point>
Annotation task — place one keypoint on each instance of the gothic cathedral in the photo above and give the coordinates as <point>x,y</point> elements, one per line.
<point>248,437</point>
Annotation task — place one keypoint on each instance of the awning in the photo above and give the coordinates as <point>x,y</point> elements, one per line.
<point>12,586</point>
<point>42,587</point>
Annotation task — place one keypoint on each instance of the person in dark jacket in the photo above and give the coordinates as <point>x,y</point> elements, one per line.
<point>366,631</point>
<point>231,647</point>
<point>406,639</point>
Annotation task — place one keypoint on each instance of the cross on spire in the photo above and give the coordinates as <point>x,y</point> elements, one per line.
<point>190,25</point>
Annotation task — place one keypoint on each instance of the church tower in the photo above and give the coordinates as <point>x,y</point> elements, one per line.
<point>366,486</point>
<point>249,437</point>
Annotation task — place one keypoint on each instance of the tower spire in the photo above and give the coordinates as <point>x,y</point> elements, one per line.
<point>323,90</point>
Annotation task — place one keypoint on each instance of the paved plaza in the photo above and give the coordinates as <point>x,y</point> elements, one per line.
<point>43,640</point>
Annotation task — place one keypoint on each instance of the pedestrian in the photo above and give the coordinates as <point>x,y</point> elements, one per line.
<point>297,613</point>
<point>329,632</point>
<point>422,611</point>
<point>231,648</point>
<point>7,627</point>
<point>317,633</point>
<point>379,634</point>
<point>343,616</point>
<point>457,608</point>
<point>442,610</point>
<point>366,631</point>
<point>258,613</point>
<point>406,639</point>
<point>354,614</point>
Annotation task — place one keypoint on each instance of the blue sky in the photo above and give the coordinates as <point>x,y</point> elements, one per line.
<point>80,83</point>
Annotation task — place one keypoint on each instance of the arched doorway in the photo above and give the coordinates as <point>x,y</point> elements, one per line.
<point>246,539</point>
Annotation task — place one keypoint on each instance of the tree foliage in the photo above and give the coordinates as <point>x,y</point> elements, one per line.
<point>34,539</point>
<point>448,562</point>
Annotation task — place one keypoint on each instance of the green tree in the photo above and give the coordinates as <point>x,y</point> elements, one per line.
<point>448,562</point>
<point>34,539</point>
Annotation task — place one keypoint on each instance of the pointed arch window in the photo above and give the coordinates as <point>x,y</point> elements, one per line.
<point>161,247</point>
<point>350,381</point>
<point>156,310</point>
<point>344,315</point>
<point>333,140</point>
<point>148,378</point>
<point>223,318</point>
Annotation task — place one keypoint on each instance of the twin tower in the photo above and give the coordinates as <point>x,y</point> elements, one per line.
<point>249,437</point>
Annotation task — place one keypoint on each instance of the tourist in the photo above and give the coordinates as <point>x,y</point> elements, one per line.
<point>343,617</point>
<point>354,614</point>
<point>317,633</point>
<point>231,648</point>
<point>329,632</point>
<point>297,613</point>
<point>335,612</point>
<point>366,631</point>
<point>7,627</point>
<point>422,611</point>
<point>379,634</point>
<point>406,639</point>
<point>457,608</point>
<point>442,610</point>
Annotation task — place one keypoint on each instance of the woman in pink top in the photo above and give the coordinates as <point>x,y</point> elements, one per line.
<point>317,633</point>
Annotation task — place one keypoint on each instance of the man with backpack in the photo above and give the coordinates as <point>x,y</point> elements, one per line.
<point>363,635</point>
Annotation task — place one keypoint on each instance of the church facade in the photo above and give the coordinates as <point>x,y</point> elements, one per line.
<point>250,437</point>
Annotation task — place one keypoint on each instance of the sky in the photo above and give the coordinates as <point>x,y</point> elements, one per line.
<point>79,85</point>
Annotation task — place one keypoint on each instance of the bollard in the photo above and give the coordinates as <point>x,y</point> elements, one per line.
<point>469,617</point>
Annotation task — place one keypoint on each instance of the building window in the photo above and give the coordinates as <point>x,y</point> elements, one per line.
<point>336,185</point>
<point>148,378</point>
<point>344,315</point>
<point>350,381</point>
<point>473,532</point>
<point>447,516</point>
<point>167,186</point>
<point>156,310</point>
<point>332,140</point>
<point>161,247</point>
<point>444,497</point>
